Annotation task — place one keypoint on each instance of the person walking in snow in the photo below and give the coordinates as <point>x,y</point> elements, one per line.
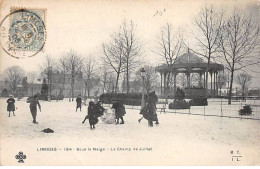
<point>79,102</point>
<point>92,116</point>
<point>119,111</point>
<point>33,107</point>
<point>10,105</point>
<point>149,110</point>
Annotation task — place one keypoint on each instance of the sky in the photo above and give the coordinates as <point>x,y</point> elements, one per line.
<point>84,25</point>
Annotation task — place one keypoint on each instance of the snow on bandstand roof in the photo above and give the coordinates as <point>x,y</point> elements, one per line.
<point>189,62</point>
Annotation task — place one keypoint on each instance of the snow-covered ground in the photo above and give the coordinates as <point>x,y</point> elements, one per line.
<point>179,139</point>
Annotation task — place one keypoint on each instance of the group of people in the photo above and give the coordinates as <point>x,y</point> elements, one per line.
<point>33,106</point>
<point>97,110</point>
<point>94,111</point>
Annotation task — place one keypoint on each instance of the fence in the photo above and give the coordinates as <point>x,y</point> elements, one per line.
<point>216,107</point>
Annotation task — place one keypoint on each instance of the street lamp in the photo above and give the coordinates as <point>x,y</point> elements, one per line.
<point>143,76</point>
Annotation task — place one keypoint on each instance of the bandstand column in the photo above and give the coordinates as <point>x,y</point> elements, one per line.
<point>211,83</point>
<point>200,82</point>
<point>217,82</point>
<point>164,85</point>
<point>174,89</point>
<point>161,83</point>
<point>204,84</point>
<point>188,79</point>
<point>214,92</point>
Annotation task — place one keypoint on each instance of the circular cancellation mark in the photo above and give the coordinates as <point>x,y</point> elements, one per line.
<point>23,32</point>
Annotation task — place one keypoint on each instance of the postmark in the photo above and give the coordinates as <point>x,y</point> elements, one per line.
<point>23,32</point>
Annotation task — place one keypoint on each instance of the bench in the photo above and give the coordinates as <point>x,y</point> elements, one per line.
<point>164,103</point>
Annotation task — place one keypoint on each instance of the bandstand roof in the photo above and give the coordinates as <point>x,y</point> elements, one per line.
<point>189,62</point>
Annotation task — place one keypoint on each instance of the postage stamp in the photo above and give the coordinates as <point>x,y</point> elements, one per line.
<point>23,32</point>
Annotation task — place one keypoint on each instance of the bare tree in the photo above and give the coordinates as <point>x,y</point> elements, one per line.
<point>244,80</point>
<point>222,78</point>
<point>114,55</point>
<point>89,73</point>
<point>239,39</point>
<point>49,64</point>
<point>14,75</point>
<point>111,83</point>
<point>131,50</point>
<point>32,77</point>
<point>63,68</point>
<point>74,64</point>
<point>209,23</point>
<point>169,48</point>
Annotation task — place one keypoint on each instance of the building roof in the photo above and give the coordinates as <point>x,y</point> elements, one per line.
<point>188,58</point>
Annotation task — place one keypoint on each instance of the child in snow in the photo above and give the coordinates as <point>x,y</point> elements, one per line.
<point>10,105</point>
<point>120,111</point>
<point>79,102</point>
<point>92,116</point>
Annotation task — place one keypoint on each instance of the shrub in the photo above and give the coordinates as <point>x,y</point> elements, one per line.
<point>5,93</point>
<point>247,110</point>
<point>125,98</point>
<point>199,101</point>
<point>179,105</point>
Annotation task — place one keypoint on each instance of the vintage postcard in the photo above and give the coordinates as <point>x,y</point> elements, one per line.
<point>129,83</point>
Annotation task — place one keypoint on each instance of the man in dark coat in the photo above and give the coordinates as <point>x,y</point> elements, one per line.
<point>149,111</point>
<point>119,111</point>
<point>10,105</point>
<point>33,107</point>
<point>79,102</point>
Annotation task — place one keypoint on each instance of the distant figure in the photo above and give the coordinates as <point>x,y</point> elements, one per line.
<point>99,109</point>
<point>33,107</point>
<point>92,116</point>
<point>149,110</point>
<point>10,105</point>
<point>79,102</point>
<point>119,111</point>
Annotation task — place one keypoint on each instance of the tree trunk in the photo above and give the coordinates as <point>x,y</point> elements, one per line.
<point>72,88</point>
<point>88,92</point>
<point>230,88</point>
<point>127,77</point>
<point>207,75</point>
<point>85,92</point>
<point>117,78</point>
<point>243,93</point>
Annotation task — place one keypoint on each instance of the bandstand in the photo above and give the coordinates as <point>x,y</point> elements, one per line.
<point>187,64</point>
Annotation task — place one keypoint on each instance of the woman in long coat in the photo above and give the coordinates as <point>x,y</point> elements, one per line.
<point>10,105</point>
<point>149,111</point>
